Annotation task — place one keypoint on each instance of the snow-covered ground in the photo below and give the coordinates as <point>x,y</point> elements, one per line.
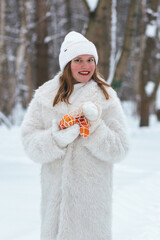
<point>136,195</point>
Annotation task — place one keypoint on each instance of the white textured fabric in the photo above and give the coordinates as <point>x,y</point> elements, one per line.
<point>75,44</point>
<point>65,136</point>
<point>90,111</point>
<point>76,179</point>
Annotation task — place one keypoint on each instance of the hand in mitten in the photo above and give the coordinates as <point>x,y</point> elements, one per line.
<point>90,111</point>
<point>65,136</point>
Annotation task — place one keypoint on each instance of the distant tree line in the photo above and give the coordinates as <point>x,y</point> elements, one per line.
<point>126,34</point>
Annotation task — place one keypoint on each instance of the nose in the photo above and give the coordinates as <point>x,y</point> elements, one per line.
<point>85,65</point>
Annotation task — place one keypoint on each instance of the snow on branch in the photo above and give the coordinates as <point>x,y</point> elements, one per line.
<point>48,14</point>
<point>53,37</point>
<point>151,27</point>
<point>151,30</point>
<point>157,56</point>
<point>149,88</point>
<point>92,4</point>
<point>151,12</point>
<point>14,39</point>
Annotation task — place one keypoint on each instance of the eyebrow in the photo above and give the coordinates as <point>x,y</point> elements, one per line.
<point>81,57</point>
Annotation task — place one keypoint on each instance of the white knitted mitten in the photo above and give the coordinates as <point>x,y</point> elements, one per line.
<point>65,136</point>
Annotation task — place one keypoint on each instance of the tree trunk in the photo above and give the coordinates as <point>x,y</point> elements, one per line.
<point>22,56</point>
<point>2,43</point>
<point>41,46</point>
<point>144,112</point>
<point>148,63</point>
<point>126,49</point>
<point>139,46</point>
<point>8,46</point>
<point>68,15</point>
<point>99,32</point>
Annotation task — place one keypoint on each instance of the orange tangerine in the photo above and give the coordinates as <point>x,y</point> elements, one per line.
<point>67,121</point>
<point>84,131</point>
<point>84,127</point>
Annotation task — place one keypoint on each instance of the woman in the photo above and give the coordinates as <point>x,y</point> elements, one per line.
<point>76,173</point>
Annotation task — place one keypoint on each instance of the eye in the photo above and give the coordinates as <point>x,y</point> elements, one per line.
<point>91,60</point>
<point>77,60</point>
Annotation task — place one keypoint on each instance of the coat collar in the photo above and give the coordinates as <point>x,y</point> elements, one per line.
<point>82,92</point>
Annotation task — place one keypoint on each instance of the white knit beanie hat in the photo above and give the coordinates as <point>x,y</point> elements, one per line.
<point>75,44</point>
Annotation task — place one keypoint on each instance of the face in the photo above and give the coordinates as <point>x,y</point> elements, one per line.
<point>82,68</point>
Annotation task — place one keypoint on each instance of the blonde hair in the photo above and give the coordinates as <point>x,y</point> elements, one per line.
<point>67,85</point>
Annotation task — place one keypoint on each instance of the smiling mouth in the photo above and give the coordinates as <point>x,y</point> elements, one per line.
<point>85,73</point>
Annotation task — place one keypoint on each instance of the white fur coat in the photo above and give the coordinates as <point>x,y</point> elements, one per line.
<point>76,180</point>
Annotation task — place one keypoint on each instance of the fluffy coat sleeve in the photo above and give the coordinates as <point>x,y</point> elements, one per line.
<point>109,140</point>
<point>38,142</point>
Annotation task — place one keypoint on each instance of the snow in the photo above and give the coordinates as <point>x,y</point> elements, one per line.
<point>151,12</point>
<point>136,188</point>
<point>151,30</point>
<point>149,88</point>
<point>136,191</point>
<point>48,39</point>
<point>92,4</point>
<point>158,98</point>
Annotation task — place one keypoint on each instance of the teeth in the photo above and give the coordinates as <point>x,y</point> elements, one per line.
<point>84,72</point>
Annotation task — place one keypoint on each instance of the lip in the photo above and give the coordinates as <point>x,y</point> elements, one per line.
<point>84,73</point>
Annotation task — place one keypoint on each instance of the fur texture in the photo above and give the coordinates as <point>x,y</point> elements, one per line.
<point>76,178</point>
<point>90,111</point>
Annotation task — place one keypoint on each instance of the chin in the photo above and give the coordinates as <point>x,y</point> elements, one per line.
<point>83,81</point>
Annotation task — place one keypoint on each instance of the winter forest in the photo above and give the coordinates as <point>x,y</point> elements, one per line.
<point>127,36</point>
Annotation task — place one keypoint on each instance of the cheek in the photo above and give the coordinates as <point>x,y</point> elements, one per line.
<point>74,69</point>
<point>93,67</point>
